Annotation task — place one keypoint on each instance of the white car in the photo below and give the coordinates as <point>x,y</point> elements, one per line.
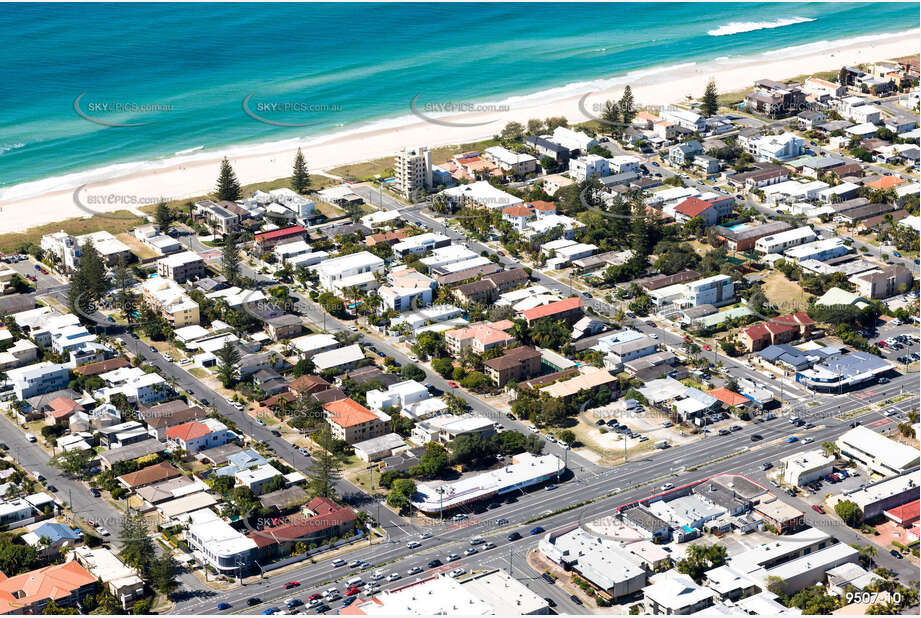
<point>667,486</point>
<point>653,336</point>
<point>102,531</point>
<point>458,572</point>
<point>393,577</point>
<point>414,570</point>
<point>808,440</point>
<point>413,544</point>
<point>30,437</point>
<point>377,576</point>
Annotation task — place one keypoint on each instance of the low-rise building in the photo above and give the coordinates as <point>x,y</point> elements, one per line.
<point>676,594</point>
<point>803,468</point>
<point>195,436</point>
<point>352,422</point>
<point>180,267</point>
<point>121,580</point>
<point>884,282</point>
<point>66,585</point>
<point>875,452</point>
<point>516,365</point>
<point>447,427</point>
<point>216,543</point>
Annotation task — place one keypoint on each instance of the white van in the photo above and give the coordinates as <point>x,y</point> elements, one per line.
<point>338,562</point>
<point>355,582</point>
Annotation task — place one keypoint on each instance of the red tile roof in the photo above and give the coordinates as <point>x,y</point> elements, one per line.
<point>188,431</point>
<point>54,582</point>
<point>94,369</point>
<point>730,398</point>
<point>755,332</point>
<point>348,412</point>
<point>886,182</point>
<point>62,407</point>
<point>281,233</point>
<point>516,211</point>
<point>692,207</point>
<point>906,513</point>
<point>560,306</point>
<point>162,471</point>
<point>543,206</point>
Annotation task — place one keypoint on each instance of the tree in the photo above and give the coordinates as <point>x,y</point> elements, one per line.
<point>433,461</point>
<point>228,357</point>
<point>512,131</point>
<point>228,187</point>
<point>412,372</point>
<point>163,216</point>
<point>842,76</point>
<point>53,608</point>
<point>72,463</point>
<point>443,366</point>
<point>701,558</point>
<point>137,546</point>
<point>230,259</point>
<point>163,574</point>
<point>568,436</point>
<point>88,282</point>
<point>849,512</point>
<point>401,492</point>
<point>626,105</point>
<point>428,344</point>
<point>126,299</point>
<point>710,103</point>
<point>469,448</point>
<point>325,469</point>
<point>300,177</point>
<point>611,113</point>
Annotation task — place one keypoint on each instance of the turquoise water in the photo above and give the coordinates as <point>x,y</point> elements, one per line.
<point>196,63</point>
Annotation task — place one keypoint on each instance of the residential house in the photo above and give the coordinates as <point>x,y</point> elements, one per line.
<point>29,593</point>
<point>517,364</point>
<point>156,473</point>
<point>352,422</point>
<point>195,436</point>
<point>479,337</point>
<point>267,241</point>
<point>569,310</point>
<point>683,154</point>
<point>709,210</point>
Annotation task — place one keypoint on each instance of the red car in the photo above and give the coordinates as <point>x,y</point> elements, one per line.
<point>818,509</point>
<point>351,590</point>
<point>452,384</point>
<point>686,338</point>
<point>881,344</point>
<point>315,596</point>
<point>707,347</point>
<point>292,585</point>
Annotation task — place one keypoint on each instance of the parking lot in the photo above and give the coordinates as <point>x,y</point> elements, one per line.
<point>41,280</point>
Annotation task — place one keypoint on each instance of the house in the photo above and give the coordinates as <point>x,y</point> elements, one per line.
<point>217,217</point>
<point>320,520</point>
<point>285,326</point>
<point>685,119</point>
<point>195,436</point>
<point>589,166</point>
<point>823,89</point>
<point>352,270</point>
<point>121,580</point>
<point>218,544</point>
<point>710,210</point>
<point>771,147</point>
<point>519,164</point>
<point>28,593</point>
<point>378,448</point>
<point>341,359</point>
<point>267,241</point>
<point>516,364</point>
<point>420,243</point>
<point>398,395</point>
<point>352,422</point>
<point>161,417</point>
<point>257,478</point>
<point>156,473</point>
<point>546,148</point>
<point>38,379</point>
<point>518,216</point>
<point>683,154</point>
<point>676,594</point>
<point>59,538</point>
<point>480,194</point>
<point>776,331</point>
<point>706,164</point>
<point>60,410</point>
<point>778,243</point>
<point>180,267</point>
<point>883,283</point>
<point>576,141</point>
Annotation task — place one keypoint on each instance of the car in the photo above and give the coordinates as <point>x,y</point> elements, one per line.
<point>535,530</point>
<point>295,602</point>
<point>377,576</point>
<point>314,597</point>
<point>253,601</point>
<point>103,531</point>
<point>810,425</point>
<point>477,541</point>
<point>724,432</point>
<point>895,554</point>
<point>352,591</point>
<point>501,521</point>
<point>452,384</point>
<point>654,164</point>
<point>291,584</point>
<point>413,358</point>
<point>414,570</point>
<point>766,466</point>
<point>550,487</point>
<point>425,535</point>
<point>434,564</point>
<point>460,517</point>
<point>222,606</point>
<point>413,544</point>
<point>667,486</point>
<point>348,601</point>
<point>393,577</point>
<point>488,545</point>
<point>734,428</point>
<point>514,536</point>
<point>667,424</point>
<point>897,254</point>
<point>453,557</point>
<point>205,402</point>
<point>818,509</point>
<point>755,437</point>
<point>30,438</point>
<point>458,572</point>
<point>52,489</point>
<point>470,551</point>
<point>354,564</point>
<point>808,440</point>
<point>600,422</point>
<point>792,439</point>
<point>883,381</point>
<point>322,607</point>
<point>575,599</point>
<point>95,492</point>
<point>366,565</point>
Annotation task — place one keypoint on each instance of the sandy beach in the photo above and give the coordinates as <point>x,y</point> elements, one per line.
<point>196,174</point>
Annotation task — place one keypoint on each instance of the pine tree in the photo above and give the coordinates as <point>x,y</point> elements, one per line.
<point>228,187</point>
<point>163,574</point>
<point>230,259</point>
<point>710,103</point>
<point>626,105</point>
<point>126,298</point>
<point>228,357</point>
<point>639,230</point>
<point>88,281</point>
<point>137,547</point>
<point>842,76</point>
<point>325,469</point>
<point>300,179</point>
<point>163,215</point>
<point>611,113</point>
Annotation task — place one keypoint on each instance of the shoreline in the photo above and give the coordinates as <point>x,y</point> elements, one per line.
<point>193,174</point>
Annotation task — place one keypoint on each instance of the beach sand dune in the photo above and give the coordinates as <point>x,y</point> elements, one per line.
<point>196,177</point>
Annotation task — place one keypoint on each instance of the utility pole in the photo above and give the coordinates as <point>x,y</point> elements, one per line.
<point>509,560</point>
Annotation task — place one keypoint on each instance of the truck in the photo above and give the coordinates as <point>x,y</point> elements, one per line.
<point>660,444</point>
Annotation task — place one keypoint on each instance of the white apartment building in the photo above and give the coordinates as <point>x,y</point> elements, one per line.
<point>444,256</point>
<point>685,119</point>
<point>347,270</point>
<point>137,386</point>
<point>589,166</point>
<point>397,395</point>
<point>38,379</point>
<point>778,243</point>
<point>806,467</point>
<point>779,147</point>
<point>573,140</point>
<point>180,267</point>
<point>480,194</point>
<point>412,169</point>
<point>407,289</point>
<point>624,163</point>
<point>420,243</point>
<point>217,543</point>
<point>515,162</point>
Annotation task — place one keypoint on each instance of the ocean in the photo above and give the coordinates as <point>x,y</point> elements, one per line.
<point>96,89</point>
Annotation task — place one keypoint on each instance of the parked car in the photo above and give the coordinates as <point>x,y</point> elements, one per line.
<point>434,563</point>
<point>755,437</point>
<point>414,570</point>
<point>818,509</point>
<point>413,544</point>
<point>458,572</point>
